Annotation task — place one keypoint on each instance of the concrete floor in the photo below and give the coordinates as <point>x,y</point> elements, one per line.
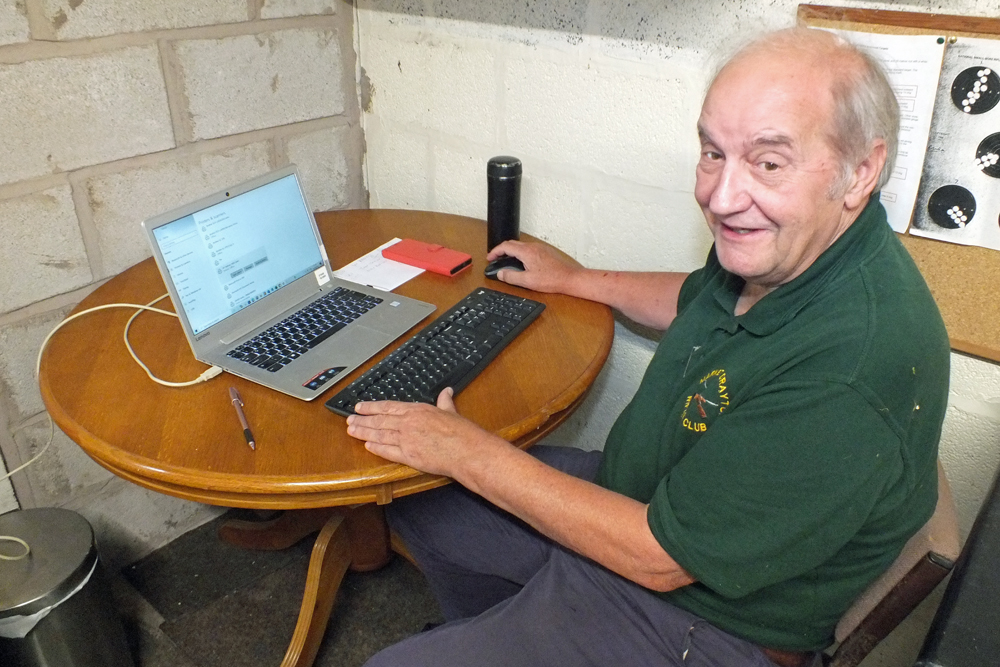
<point>199,602</point>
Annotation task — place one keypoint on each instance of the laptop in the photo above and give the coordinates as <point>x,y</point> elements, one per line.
<point>255,294</point>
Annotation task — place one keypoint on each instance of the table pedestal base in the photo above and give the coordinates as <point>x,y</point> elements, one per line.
<point>355,538</point>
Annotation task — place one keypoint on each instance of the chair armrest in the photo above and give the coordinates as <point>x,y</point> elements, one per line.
<point>892,609</point>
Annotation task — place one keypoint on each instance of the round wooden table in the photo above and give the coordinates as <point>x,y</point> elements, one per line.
<point>188,443</point>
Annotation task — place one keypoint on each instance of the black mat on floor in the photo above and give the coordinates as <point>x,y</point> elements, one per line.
<point>223,606</point>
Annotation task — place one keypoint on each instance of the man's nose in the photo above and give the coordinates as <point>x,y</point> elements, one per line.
<point>732,190</point>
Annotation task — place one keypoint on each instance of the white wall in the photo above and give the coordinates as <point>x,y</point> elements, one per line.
<point>599,100</point>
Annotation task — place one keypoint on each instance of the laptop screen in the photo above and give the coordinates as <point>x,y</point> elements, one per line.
<point>224,257</point>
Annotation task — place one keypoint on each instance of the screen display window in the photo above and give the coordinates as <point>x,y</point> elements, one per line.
<point>227,256</point>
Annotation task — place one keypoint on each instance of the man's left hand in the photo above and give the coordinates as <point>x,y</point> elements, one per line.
<point>435,440</point>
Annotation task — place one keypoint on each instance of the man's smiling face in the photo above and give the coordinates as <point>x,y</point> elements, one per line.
<point>768,177</point>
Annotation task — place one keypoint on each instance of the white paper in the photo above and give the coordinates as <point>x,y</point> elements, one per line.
<point>912,64</point>
<point>959,198</point>
<point>376,271</point>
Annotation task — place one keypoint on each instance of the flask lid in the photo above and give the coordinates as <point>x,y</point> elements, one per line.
<point>503,166</point>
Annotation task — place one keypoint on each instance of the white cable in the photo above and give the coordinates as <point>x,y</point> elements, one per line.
<point>38,361</point>
<point>212,372</point>
<point>11,538</point>
<point>52,433</point>
<point>207,375</point>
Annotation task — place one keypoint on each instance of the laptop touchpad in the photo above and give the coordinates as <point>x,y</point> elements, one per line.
<point>355,344</point>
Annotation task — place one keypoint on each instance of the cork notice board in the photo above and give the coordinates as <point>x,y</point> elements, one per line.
<point>965,280</point>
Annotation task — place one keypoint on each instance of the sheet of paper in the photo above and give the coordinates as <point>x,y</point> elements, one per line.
<point>959,198</point>
<point>912,63</point>
<point>376,271</point>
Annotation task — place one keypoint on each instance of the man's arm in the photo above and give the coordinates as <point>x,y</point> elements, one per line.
<point>602,525</point>
<point>649,298</point>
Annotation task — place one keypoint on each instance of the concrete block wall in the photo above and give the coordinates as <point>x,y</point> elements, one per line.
<point>600,99</point>
<point>113,111</point>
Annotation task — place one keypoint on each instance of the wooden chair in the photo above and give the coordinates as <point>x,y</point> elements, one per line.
<point>925,560</point>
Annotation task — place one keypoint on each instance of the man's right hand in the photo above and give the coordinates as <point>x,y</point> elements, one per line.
<point>544,269</point>
<point>649,298</point>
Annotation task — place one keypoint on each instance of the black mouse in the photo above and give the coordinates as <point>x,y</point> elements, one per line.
<point>505,262</point>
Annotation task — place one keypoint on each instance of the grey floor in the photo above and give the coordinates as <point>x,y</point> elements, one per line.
<point>199,602</point>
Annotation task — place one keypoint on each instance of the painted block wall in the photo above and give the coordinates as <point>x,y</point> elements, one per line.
<point>599,99</point>
<point>113,111</point>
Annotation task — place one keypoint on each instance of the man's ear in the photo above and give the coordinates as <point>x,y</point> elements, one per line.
<point>865,176</point>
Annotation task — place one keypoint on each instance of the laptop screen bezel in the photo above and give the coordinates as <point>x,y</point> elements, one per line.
<point>260,313</point>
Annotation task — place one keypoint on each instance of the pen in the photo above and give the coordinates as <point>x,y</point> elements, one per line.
<point>238,404</point>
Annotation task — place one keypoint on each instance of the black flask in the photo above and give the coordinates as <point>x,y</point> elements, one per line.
<point>503,200</point>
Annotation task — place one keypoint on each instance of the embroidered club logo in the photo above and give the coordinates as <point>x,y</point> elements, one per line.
<point>702,407</point>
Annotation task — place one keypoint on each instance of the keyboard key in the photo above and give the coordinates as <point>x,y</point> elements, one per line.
<point>280,344</point>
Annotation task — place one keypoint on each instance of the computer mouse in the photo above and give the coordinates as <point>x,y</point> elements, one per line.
<point>505,262</point>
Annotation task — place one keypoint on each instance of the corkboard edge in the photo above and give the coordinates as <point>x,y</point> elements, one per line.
<point>960,277</point>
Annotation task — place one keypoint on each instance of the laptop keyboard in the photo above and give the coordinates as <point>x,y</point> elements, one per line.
<point>278,346</point>
<point>448,352</point>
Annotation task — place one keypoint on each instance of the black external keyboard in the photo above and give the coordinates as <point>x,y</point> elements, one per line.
<point>276,347</point>
<point>448,352</point>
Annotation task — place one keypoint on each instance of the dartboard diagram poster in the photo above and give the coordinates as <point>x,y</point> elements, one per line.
<point>912,64</point>
<point>959,196</point>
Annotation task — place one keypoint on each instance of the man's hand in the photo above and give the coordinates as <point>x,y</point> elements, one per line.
<point>431,439</point>
<point>544,269</point>
<point>598,523</point>
<point>649,298</point>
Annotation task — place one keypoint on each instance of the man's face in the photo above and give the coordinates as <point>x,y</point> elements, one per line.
<point>767,169</point>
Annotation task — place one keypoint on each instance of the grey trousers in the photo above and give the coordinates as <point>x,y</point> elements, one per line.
<point>512,597</point>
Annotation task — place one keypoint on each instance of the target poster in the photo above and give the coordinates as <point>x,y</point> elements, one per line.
<point>912,64</point>
<point>959,196</point>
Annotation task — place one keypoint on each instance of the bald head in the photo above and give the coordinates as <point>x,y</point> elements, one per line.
<point>863,107</point>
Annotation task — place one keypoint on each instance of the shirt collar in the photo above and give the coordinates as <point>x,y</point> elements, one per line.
<point>863,237</point>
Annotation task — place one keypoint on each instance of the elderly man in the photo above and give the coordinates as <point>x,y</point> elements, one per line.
<point>781,448</point>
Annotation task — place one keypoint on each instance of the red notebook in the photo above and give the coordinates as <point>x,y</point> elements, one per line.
<point>430,256</point>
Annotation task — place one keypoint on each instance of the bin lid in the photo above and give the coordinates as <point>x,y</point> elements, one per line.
<point>62,555</point>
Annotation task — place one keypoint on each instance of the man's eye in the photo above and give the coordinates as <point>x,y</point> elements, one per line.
<point>769,166</point>
<point>712,155</point>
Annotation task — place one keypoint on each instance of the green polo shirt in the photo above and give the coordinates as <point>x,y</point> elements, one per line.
<point>788,454</point>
